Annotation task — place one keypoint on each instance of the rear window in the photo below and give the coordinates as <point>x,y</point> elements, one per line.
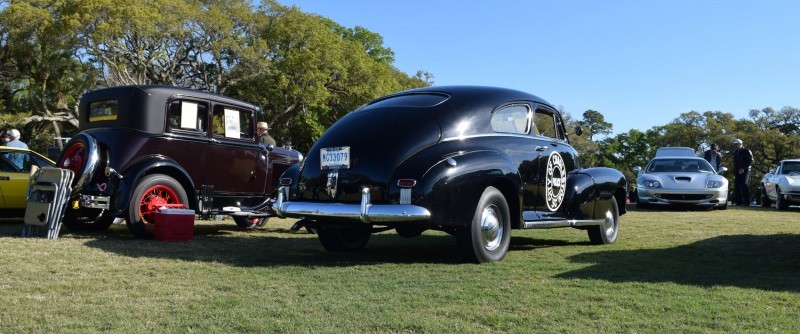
<point>104,110</point>
<point>411,100</point>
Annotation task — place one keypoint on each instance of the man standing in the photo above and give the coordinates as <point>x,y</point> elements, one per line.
<point>14,135</point>
<point>742,159</point>
<point>713,157</point>
<point>263,135</point>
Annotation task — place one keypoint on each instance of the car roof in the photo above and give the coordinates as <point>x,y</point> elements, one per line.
<point>790,160</point>
<point>460,95</point>
<point>675,152</point>
<point>13,148</point>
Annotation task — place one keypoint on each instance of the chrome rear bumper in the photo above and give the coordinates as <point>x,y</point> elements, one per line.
<point>365,212</point>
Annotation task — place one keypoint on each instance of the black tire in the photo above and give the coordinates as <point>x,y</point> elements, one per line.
<point>780,202</point>
<point>245,222</point>
<point>343,239</point>
<point>765,201</point>
<point>488,236</point>
<point>607,232</point>
<point>76,223</point>
<point>152,191</point>
<point>409,231</point>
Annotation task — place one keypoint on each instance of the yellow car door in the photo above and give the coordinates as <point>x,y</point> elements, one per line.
<point>15,166</point>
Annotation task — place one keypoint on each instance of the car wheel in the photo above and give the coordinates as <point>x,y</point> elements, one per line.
<point>250,222</point>
<point>150,194</point>
<point>76,223</point>
<point>489,235</point>
<point>342,239</point>
<point>780,202</point>
<point>765,201</point>
<point>606,233</point>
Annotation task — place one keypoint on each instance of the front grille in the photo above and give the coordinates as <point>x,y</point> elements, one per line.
<point>684,197</point>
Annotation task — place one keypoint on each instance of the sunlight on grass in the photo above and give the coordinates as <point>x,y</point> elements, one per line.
<point>669,272</point>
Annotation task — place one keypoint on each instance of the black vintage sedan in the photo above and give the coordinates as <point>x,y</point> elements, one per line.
<point>475,162</point>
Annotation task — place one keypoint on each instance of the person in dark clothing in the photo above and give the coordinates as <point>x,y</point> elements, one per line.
<point>742,159</point>
<point>263,135</point>
<point>713,157</point>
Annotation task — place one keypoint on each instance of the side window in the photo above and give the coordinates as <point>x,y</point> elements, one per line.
<point>548,123</point>
<point>512,119</point>
<point>188,115</point>
<point>232,123</point>
<point>545,123</point>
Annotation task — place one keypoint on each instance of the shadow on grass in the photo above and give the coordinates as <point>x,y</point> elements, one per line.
<point>766,262</point>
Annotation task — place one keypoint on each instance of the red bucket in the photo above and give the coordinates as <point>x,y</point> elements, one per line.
<point>174,224</point>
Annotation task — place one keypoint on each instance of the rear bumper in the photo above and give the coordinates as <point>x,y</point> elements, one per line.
<point>365,212</point>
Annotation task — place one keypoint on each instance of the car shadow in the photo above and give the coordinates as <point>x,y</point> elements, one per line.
<point>766,262</point>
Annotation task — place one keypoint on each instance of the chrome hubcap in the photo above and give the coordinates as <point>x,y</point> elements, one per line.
<point>491,227</point>
<point>609,224</point>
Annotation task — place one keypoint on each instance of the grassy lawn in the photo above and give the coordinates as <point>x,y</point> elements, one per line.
<point>734,271</point>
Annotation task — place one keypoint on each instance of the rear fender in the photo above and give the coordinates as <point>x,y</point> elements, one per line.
<point>150,165</point>
<point>452,187</point>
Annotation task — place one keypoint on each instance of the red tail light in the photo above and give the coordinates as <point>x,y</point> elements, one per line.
<point>406,183</point>
<point>286,181</point>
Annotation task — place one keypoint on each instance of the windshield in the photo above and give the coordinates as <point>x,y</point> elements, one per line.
<point>679,165</point>
<point>791,167</point>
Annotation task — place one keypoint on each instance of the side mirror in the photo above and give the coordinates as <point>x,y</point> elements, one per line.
<point>578,130</point>
<point>637,169</point>
<point>722,170</point>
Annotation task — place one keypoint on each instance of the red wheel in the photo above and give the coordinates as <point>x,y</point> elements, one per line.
<point>74,158</point>
<point>153,192</point>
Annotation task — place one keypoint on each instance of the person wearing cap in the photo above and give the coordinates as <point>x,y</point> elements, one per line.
<point>742,160</point>
<point>263,135</point>
<point>713,157</point>
<point>6,139</point>
<point>14,141</point>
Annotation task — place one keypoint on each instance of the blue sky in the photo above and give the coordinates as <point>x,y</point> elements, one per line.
<point>639,63</point>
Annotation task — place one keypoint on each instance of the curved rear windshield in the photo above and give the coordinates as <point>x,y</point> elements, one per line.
<point>410,100</point>
<point>680,165</point>
<point>104,110</point>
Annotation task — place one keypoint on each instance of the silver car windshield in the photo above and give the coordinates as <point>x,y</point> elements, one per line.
<point>791,167</point>
<point>679,165</point>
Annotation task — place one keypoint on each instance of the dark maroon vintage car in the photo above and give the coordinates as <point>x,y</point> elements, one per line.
<point>475,162</point>
<point>144,147</point>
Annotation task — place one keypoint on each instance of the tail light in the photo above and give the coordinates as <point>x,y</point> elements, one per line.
<point>406,183</point>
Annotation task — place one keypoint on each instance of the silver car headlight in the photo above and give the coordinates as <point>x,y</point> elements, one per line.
<point>714,184</point>
<point>651,184</point>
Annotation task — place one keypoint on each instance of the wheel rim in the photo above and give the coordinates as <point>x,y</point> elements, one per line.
<point>74,158</point>
<point>609,223</point>
<point>491,227</point>
<point>153,198</point>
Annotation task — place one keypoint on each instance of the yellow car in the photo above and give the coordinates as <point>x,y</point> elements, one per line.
<point>15,170</point>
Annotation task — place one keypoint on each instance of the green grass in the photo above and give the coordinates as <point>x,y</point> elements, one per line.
<point>734,271</point>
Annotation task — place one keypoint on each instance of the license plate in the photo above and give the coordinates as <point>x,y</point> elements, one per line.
<point>335,157</point>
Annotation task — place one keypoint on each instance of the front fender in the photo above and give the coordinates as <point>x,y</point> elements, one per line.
<point>451,188</point>
<point>157,164</point>
<point>607,184</point>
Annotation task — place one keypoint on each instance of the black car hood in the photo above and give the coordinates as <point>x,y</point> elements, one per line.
<point>379,140</point>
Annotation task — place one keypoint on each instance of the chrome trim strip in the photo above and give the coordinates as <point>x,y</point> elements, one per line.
<point>95,202</point>
<point>501,134</point>
<point>563,223</point>
<point>365,212</point>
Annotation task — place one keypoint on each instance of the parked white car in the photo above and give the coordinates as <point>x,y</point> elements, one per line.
<point>782,185</point>
<point>678,177</point>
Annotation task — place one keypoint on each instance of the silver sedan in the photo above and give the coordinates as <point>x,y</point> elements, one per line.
<point>681,181</point>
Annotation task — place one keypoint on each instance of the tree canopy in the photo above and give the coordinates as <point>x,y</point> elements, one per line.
<point>303,71</point>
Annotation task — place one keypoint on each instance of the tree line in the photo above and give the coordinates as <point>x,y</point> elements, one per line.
<point>772,135</point>
<point>304,72</point>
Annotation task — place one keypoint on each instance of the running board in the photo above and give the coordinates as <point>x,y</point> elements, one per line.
<point>562,223</point>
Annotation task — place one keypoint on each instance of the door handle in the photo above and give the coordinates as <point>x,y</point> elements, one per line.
<point>541,148</point>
